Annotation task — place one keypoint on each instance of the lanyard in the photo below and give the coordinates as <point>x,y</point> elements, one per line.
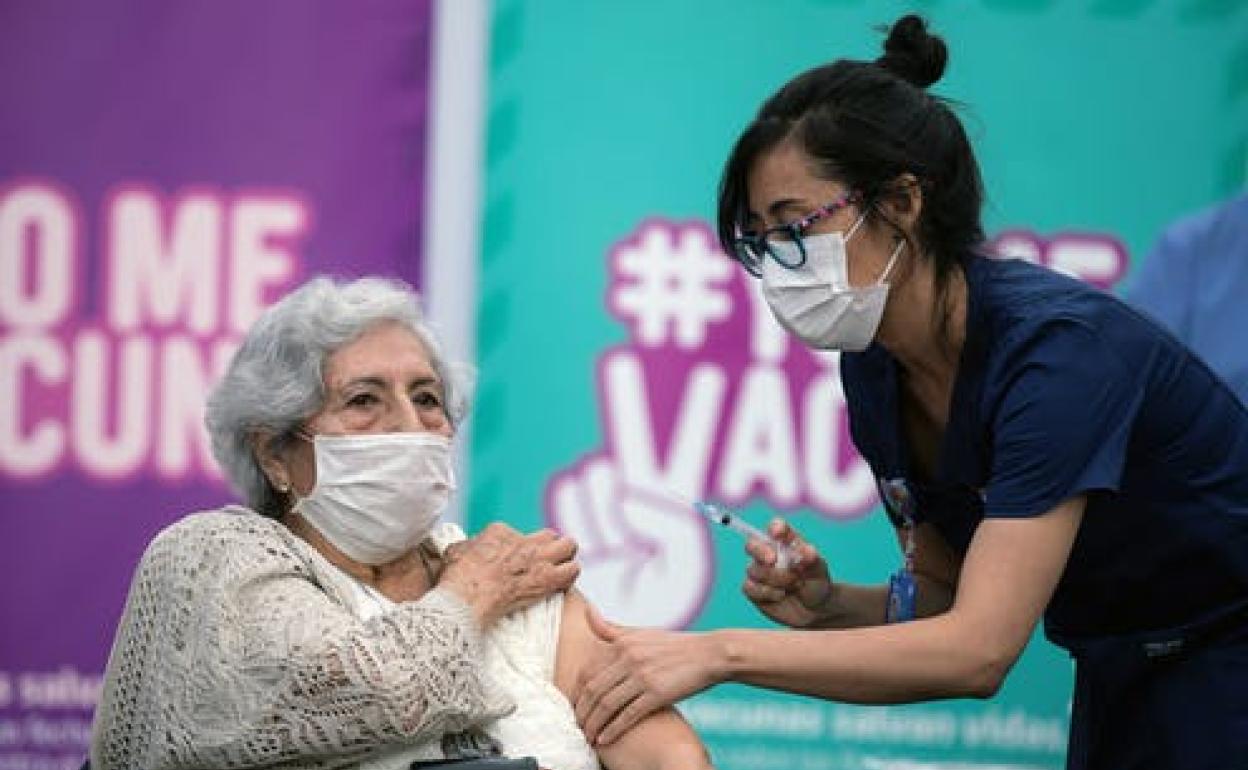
<point>902,590</point>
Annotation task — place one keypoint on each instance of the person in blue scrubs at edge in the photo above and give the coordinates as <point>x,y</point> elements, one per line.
<point>1194,282</point>
<point>1042,448</point>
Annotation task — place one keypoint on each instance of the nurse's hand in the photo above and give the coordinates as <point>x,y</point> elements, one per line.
<point>798,596</point>
<point>640,671</point>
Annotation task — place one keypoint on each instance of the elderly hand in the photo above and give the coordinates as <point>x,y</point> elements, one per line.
<point>500,570</point>
<point>646,669</point>
<point>798,596</point>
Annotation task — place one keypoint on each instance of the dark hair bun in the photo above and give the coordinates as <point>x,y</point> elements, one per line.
<point>912,54</point>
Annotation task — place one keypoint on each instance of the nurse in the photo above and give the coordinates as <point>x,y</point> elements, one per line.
<point>1042,450</point>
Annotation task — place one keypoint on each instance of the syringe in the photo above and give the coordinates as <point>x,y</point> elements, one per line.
<point>785,555</point>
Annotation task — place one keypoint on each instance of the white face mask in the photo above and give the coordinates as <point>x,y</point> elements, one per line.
<point>377,496</point>
<point>815,301</point>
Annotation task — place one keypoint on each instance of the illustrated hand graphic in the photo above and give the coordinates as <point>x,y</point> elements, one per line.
<point>645,557</point>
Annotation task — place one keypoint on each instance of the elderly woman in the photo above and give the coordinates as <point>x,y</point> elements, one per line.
<point>333,622</point>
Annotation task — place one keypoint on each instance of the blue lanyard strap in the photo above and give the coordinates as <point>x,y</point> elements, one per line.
<point>902,590</point>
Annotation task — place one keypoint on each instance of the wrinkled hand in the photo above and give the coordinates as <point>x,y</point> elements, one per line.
<point>646,669</point>
<point>799,595</point>
<point>500,570</point>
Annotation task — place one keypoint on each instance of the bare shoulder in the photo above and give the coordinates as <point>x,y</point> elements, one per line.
<point>578,647</point>
<point>661,740</point>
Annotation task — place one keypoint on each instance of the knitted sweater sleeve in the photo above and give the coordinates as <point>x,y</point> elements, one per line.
<point>233,653</point>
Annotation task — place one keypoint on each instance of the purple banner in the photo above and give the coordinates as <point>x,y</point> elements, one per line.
<point>167,169</point>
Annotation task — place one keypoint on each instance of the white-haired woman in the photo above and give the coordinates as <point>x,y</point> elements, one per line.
<point>333,622</point>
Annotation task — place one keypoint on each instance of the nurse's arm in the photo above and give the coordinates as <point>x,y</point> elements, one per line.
<point>1007,578</point>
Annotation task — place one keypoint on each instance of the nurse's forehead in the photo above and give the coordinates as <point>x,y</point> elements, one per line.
<point>782,209</point>
<point>783,183</point>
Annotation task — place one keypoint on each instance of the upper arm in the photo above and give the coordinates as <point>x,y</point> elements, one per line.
<point>576,644</point>
<point>1008,576</point>
<point>664,735</point>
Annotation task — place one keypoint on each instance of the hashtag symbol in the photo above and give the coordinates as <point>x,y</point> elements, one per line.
<point>671,278</point>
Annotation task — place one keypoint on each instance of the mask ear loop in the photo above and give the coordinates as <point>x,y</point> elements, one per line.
<point>892,260</point>
<point>294,499</point>
<point>854,227</point>
<point>292,496</point>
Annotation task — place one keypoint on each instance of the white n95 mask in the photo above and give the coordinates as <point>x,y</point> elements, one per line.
<point>815,301</point>
<point>378,495</point>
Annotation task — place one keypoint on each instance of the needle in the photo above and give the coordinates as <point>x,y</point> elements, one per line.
<point>785,555</point>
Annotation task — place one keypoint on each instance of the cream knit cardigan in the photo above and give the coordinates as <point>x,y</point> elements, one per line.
<point>239,648</point>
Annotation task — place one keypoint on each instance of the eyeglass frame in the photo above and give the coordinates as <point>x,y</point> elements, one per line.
<point>745,248</point>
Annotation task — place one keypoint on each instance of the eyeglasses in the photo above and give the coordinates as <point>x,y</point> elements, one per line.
<point>750,249</point>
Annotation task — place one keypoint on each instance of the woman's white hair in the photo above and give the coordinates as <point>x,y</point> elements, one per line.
<point>275,380</point>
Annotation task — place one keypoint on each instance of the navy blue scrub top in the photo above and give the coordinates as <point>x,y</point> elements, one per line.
<point>1063,390</point>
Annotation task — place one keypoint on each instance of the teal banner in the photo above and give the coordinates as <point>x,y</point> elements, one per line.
<point>629,368</point>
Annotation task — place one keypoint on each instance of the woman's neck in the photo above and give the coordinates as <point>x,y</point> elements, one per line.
<point>924,329</point>
<point>404,579</point>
